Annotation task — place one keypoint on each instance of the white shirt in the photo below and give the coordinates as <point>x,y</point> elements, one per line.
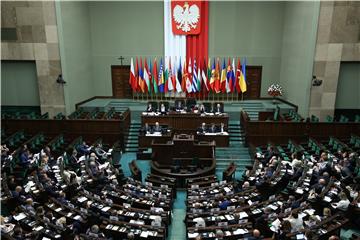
<point>342,204</point>
<point>200,222</point>
<point>296,224</point>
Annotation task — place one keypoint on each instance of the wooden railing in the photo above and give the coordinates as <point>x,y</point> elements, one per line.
<point>110,131</point>
<point>262,132</point>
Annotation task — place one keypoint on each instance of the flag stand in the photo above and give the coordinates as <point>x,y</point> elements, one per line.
<point>242,96</point>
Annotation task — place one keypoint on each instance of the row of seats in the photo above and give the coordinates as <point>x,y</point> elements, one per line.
<point>90,201</point>
<point>292,191</point>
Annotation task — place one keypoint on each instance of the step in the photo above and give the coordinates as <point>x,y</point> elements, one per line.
<point>132,137</point>
<point>132,141</point>
<point>131,146</point>
<point>131,150</point>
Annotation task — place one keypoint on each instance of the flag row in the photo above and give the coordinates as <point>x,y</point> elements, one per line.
<point>189,76</point>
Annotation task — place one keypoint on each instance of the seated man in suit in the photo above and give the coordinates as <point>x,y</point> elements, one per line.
<point>146,129</point>
<point>150,108</point>
<point>222,128</point>
<point>202,129</point>
<point>162,109</point>
<point>179,106</point>
<point>25,158</point>
<point>213,129</point>
<point>84,149</point>
<point>157,127</point>
<point>218,109</point>
<point>202,108</point>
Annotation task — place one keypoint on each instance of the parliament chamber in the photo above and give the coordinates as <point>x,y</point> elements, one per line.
<point>180,120</point>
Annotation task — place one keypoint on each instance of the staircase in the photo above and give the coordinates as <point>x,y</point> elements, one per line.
<point>131,142</point>
<point>236,152</point>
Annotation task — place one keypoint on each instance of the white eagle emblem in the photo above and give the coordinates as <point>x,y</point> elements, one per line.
<point>186,17</point>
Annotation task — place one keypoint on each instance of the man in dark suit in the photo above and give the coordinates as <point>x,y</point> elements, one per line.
<point>84,149</point>
<point>157,127</point>
<point>218,109</point>
<point>162,109</point>
<point>146,128</point>
<point>150,108</point>
<point>179,106</point>
<point>202,108</point>
<point>213,128</point>
<point>202,129</point>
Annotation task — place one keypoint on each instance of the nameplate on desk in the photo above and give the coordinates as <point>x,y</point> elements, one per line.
<point>150,114</point>
<point>217,134</point>
<point>155,134</point>
<point>83,210</point>
<point>114,218</point>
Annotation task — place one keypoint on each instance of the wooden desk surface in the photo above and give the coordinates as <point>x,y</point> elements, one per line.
<point>185,121</point>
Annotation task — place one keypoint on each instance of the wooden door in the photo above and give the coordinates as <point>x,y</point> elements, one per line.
<point>253,80</point>
<point>120,81</point>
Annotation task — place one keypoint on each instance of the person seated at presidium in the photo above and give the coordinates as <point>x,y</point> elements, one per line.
<point>157,127</point>
<point>162,109</point>
<point>218,109</point>
<point>179,106</point>
<point>150,108</point>
<point>213,129</point>
<point>202,109</point>
<point>203,128</point>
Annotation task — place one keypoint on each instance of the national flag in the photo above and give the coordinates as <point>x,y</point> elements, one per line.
<point>238,71</point>
<point>195,78</point>
<point>233,79</point>
<point>199,78</point>
<point>155,78</point>
<point>217,77</point>
<point>146,77</point>
<point>132,79</point>
<point>242,81</point>
<point>223,78</point>
<point>141,77</point>
<point>138,89</point>
<point>228,77</point>
<point>177,74</point>
<point>150,76</point>
<point>204,76</point>
<point>212,78</point>
<point>188,77</point>
<point>169,76</point>
<point>184,77</point>
<point>166,75</point>
<point>208,72</point>
<point>161,78</point>
<point>189,86</point>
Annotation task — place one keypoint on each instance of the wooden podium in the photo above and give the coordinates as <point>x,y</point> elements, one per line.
<point>183,158</point>
<point>182,148</point>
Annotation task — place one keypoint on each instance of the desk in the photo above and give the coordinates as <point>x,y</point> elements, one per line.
<point>146,140</point>
<point>185,121</point>
<point>182,146</point>
<point>221,139</point>
<point>182,158</point>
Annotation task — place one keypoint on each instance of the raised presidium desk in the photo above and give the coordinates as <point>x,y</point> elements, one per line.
<point>184,121</point>
<point>221,139</point>
<point>183,158</point>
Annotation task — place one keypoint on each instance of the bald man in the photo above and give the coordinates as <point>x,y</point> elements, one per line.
<point>256,235</point>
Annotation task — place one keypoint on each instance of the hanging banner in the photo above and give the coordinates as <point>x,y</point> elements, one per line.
<point>185,17</point>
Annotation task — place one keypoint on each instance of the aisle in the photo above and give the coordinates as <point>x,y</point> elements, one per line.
<point>177,228</point>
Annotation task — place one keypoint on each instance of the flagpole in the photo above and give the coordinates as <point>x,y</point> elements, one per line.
<point>242,96</point>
